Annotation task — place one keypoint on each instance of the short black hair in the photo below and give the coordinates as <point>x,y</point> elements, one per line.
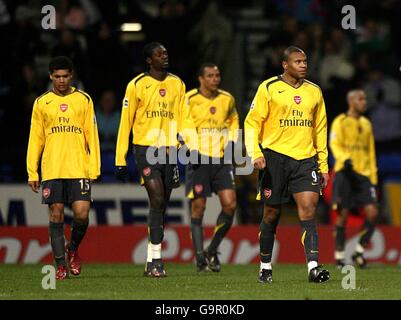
<point>148,49</point>
<point>206,65</point>
<point>290,50</point>
<point>61,63</point>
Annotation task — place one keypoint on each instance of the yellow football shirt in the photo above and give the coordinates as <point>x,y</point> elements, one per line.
<point>215,121</point>
<point>152,110</point>
<point>64,137</point>
<point>288,120</point>
<point>352,138</point>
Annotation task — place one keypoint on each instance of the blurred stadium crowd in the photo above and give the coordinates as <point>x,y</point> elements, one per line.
<point>245,38</point>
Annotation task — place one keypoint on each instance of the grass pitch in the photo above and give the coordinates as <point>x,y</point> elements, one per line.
<point>234,282</point>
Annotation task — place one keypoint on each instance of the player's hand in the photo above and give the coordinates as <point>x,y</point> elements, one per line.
<point>259,163</point>
<point>324,180</point>
<point>35,185</point>
<point>121,173</point>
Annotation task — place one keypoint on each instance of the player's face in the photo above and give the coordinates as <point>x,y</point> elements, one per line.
<point>61,80</point>
<point>159,59</point>
<point>297,65</point>
<point>360,102</point>
<point>211,78</point>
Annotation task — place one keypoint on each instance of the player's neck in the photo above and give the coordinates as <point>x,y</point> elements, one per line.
<point>353,114</point>
<point>294,82</point>
<point>62,93</point>
<point>159,75</point>
<point>208,93</point>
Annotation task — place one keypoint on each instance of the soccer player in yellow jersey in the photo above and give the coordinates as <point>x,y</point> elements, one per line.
<point>64,138</point>
<point>286,137</point>
<point>152,110</point>
<point>353,147</point>
<point>216,121</point>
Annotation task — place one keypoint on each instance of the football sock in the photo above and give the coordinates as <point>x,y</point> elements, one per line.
<point>149,255</point>
<point>310,240</point>
<point>56,231</point>
<point>339,255</point>
<point>311,265</point>
<point>224,222</point>
<point>78,231</point>
<point>197,236</point>
<point>266,241</point>
<point>359,248</point>
<point>340,238</point>
<point>267,265</point>
<point>156,230</point>
<point>156,251</point>
<point>366,234</point>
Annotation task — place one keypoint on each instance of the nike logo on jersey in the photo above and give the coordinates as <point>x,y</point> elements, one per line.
<point>147,87</point>
<point>47,102</point>
<point>281,91</point>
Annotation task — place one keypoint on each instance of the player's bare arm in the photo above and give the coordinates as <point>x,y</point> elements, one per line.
<point>325,180</point>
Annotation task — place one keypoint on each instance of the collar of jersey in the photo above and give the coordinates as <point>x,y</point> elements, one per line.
<point>200,93</point>
<point>73,89</point>
<point>282,79</point>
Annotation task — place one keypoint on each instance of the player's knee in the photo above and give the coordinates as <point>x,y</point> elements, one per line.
<point>341,219</point>
<point>307,212</point>
<point>229,208</point>
<point>372,213</point>
<point>307,215</point>
<point>56,217</point>
<point>198,210</point>
<point>56,208</point>
<point>81,219</point>
<point>81,215</point>
<point>158,202</point>
<point>56,213</point>
<point>197,214</point>
<point>270,215</point>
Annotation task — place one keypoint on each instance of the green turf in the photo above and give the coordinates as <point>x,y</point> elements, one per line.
<point>123,281</point>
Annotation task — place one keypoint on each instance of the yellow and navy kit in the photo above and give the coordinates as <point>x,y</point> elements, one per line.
<point>152,110</point>
<point>64,137</point>
<point>215,120</point>
<point>352,138</point>
<point>291,121</point>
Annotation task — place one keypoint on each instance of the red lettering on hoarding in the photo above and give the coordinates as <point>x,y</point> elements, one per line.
<point>241,245</point>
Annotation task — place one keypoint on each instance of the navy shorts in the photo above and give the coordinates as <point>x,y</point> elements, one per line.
<point>202,180</point>
<point>284,176</point>
<point>352,191</point>
<point>66,191</point>
<point>165,170</point>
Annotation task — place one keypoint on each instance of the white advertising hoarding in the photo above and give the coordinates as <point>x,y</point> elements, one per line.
<point>113,204</point>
